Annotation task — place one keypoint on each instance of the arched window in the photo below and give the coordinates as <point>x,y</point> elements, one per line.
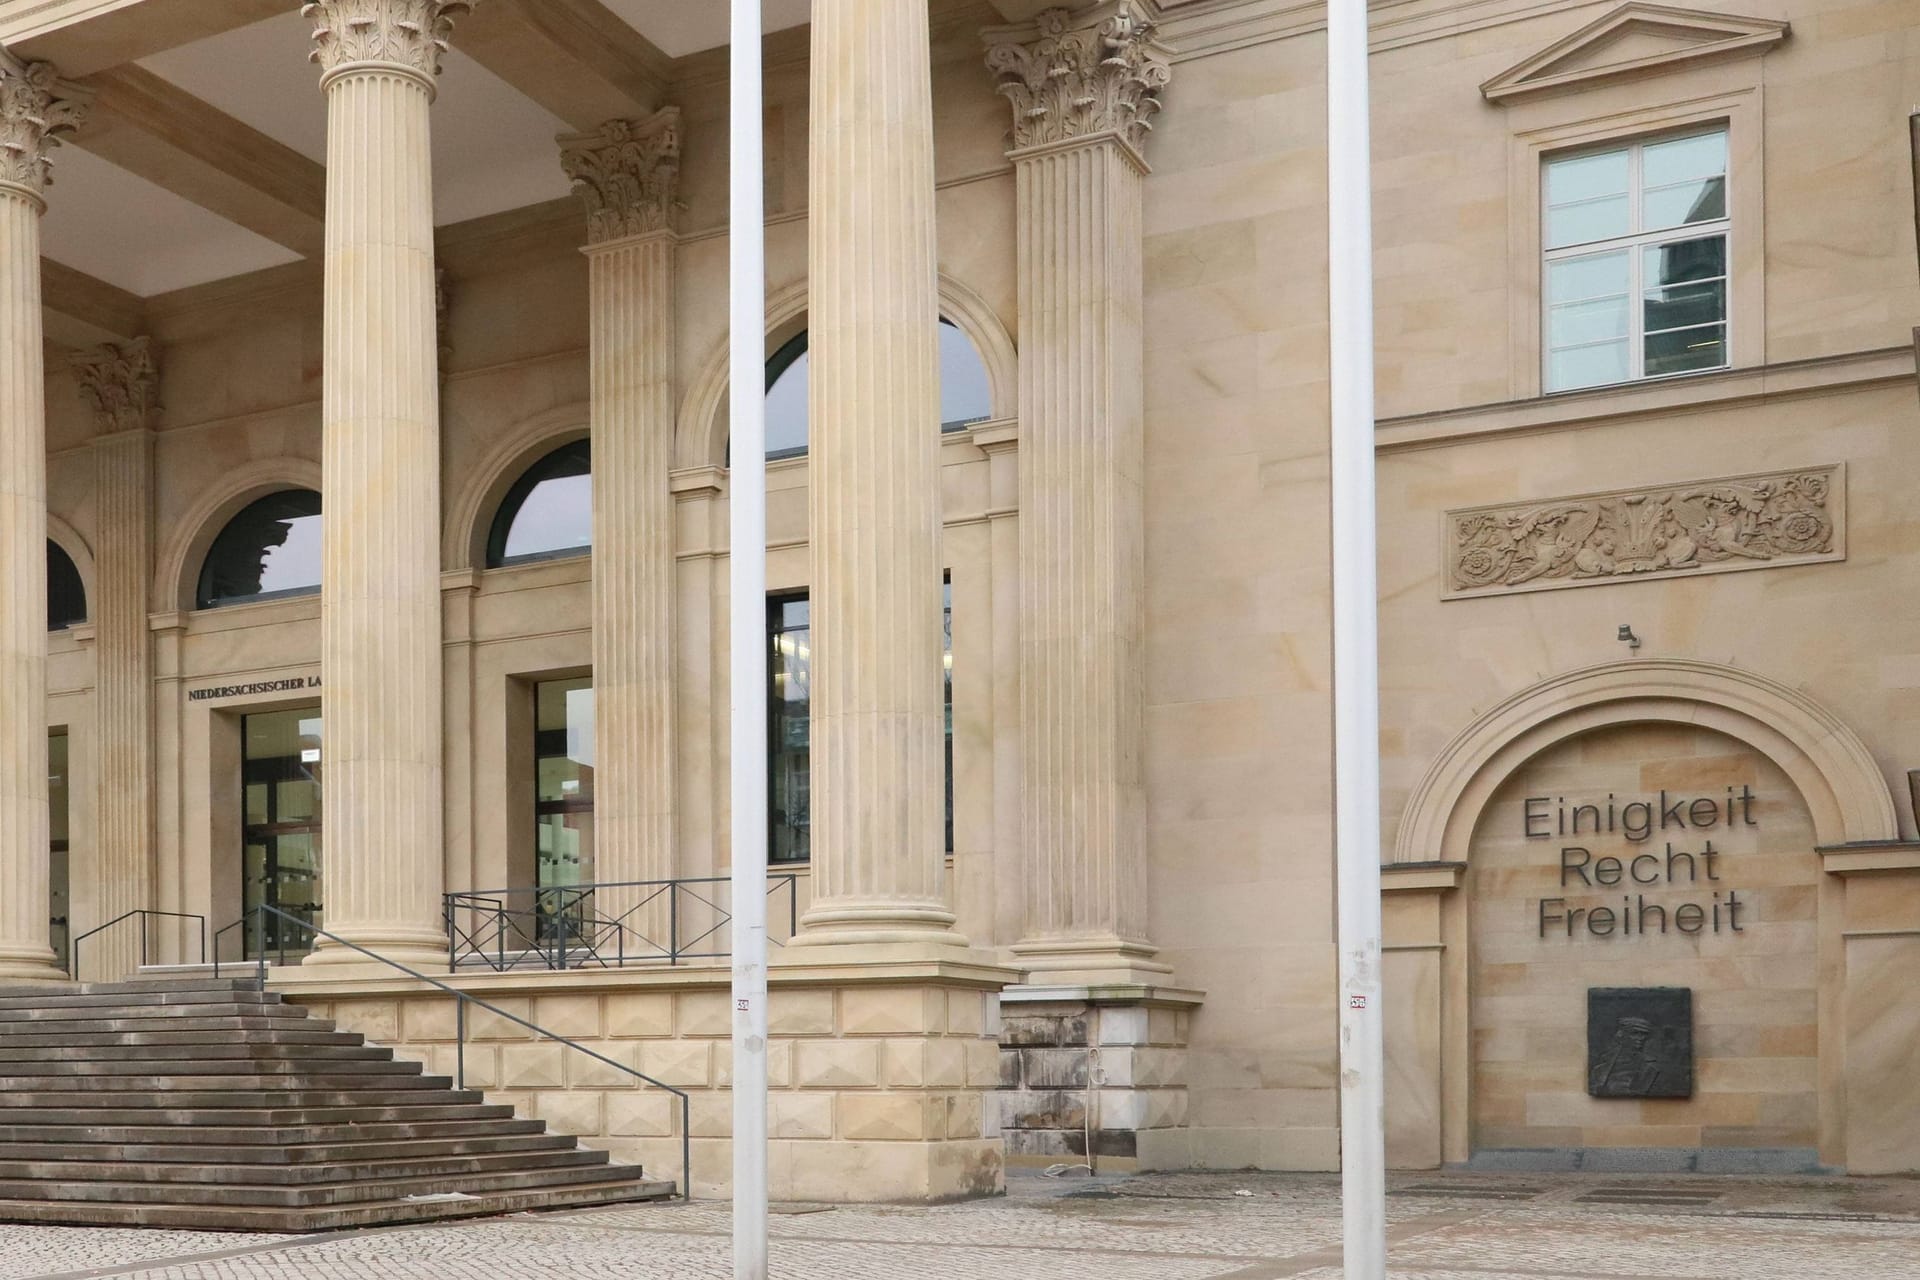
<point>270,551</point>
<point>965,392</point>
<point>548,513</point>
<point>66,594</point>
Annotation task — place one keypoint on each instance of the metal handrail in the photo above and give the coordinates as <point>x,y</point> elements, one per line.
<point>563,929</point>
<point>73,947</point>
<point>461,1000</point>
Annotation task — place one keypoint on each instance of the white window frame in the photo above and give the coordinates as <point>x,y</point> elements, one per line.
<point>1632,244</point>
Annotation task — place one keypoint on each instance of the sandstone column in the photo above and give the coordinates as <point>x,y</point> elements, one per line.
<point>380,618</point>
<point>120,383</point>
<point>35,105</point>
<point>627,175</point>
<point>878,799</point>
<point>1084,88</point>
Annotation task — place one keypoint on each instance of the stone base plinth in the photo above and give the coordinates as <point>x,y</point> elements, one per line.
<point>882,1076</point>
<point>1092,1069</point>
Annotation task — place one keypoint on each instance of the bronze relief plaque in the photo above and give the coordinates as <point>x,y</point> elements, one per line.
<point>1640,1042</point>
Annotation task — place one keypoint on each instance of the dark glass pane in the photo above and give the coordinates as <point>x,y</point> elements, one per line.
<point>946,666</point>
<point>1684,261</point>
<point>59,910</point>
<point>787,391</point>
<point>269,551</point>
<point>789,665</point>
<point>1681,305</point>
<point>1685,350</point>
<point>281,866</point>
<point>549,511</point>
<point>563,782</point>
<point>66,594</point>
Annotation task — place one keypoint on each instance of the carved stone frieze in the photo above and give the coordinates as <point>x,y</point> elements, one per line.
<point>404,33</point>
<point>1078,75</point>
<point>627,173</point>
<point>121,384</point>
<point>36,106</point>
<point>1743,522</point>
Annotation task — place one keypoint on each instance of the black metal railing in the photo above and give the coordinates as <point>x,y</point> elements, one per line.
<point>142,914</point>
<point>604,926</point>
<point>461,1001</point>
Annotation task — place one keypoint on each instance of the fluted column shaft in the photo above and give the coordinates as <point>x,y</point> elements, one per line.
<point>631,283</point>
<point>877,753</point>
<point>1083,87</point>
<point>122,866</point>
<point>380,618</point>
<point>24,929</point>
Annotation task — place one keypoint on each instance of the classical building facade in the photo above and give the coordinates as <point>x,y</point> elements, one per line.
<point>363,515</point>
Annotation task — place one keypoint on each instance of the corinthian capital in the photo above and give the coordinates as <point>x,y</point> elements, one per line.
<point>1079,75</point>
<point>411,34</point>
<point>121,383</point>
<point>36,106</point>
<point>627,174</point>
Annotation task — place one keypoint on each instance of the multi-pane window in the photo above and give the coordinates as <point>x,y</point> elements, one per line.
<point>789,726</point>
<point>1636,261</point>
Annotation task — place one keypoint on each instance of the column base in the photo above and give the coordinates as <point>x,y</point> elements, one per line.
<point>422,950</point>
<point>911,925</point>
<point>32,964</point>
<point>1092,962</point>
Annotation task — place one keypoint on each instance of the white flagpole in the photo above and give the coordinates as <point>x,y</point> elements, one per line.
<point>747,580</point>
<point>1356,643</point>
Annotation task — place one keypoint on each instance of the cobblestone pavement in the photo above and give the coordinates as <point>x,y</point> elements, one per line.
<point>1151,1227</point>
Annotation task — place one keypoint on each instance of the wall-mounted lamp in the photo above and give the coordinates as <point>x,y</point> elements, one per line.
<point>1627,637</point>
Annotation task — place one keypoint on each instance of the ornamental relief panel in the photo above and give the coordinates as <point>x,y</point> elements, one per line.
<point>1705,526</point>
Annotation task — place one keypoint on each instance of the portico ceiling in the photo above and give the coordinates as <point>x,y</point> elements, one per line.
<point>206,159</point>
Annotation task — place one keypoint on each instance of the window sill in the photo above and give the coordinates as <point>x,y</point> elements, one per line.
<point>1568,410</point>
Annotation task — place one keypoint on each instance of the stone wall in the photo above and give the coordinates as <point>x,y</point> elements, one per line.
<point>881,1084</point>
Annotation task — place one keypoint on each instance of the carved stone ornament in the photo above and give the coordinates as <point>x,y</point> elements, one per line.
<point>627,173</point>
<point>403,33</point>
<point>120,383</point>
<point>35,107</point>
<point>1744,522</point>
<point>1074,77</point>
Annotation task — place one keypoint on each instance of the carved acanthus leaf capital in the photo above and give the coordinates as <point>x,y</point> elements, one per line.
<point>404,33</point>
<point>1073,76</point>
<point>121,384</point>
<point>36,106</point>
<point>627,173</point>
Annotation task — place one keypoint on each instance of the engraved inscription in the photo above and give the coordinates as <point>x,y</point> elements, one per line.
<point>1743,522</point>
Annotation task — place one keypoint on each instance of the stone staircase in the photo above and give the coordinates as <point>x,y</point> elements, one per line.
<point>211,1104</point>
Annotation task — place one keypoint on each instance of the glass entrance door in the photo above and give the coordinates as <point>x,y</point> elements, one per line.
<point>280,776</point>
<point>58,788</point>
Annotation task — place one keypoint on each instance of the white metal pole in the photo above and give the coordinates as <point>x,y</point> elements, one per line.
<point>1356,643</point>
<point>747,580</point>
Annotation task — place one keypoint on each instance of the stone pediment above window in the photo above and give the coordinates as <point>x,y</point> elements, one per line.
<point>1635,40</point>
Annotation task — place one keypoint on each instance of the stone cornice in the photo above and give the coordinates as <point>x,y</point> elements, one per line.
<point>121,384</point>
<point>36,106</point>
<point>1073,76</point>
<point>408,35</point>
<point>627,173</point>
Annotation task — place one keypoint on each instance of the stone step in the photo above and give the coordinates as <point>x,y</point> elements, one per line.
<point>235,1074</point>
<point>176,1067</point>
<point>616,1190</point>
<point>13,1002</point>
<point>241,1091</point>
<point>147,1014</point>
<point>280,1031</point>
<point>267,1138</point>
<point>382,1170</point>
<point>310,1194</point>
<point>286,1017</point>
<point>133,986</point>
<point>200,1058</point>
<point>298,1155</point>
<point>421,1108</point>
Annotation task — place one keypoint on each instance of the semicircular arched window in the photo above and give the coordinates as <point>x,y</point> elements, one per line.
<point>66,594</point>
<point>548,514</point>
<point>966,395</point>
<point>270,551</point>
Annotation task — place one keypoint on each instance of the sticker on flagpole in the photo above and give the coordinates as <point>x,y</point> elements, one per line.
<point>1356,1002</point>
